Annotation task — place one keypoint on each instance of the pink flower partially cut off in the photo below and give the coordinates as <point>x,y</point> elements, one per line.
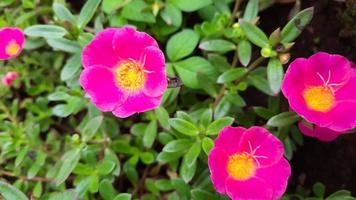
<point>321,89</point>
<point>9,78</point>
<point>320,133</point>
<point>124,71</point>
<point>248,164</point>
<point>12,41</point>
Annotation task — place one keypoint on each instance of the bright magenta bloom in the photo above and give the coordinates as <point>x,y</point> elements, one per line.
<point>321,89</point>
<point>320,133</point>
<point>11,42</point>
<point>248,164</point>
<point>124,71</point>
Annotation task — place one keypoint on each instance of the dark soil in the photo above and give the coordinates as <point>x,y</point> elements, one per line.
<point>332,30</point>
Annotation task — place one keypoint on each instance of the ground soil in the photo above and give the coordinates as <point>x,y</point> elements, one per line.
<point>331,30</point>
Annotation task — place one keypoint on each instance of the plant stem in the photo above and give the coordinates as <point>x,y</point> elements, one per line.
<point>248,70</point>
<point>36,179</point>
<point>234,11</point>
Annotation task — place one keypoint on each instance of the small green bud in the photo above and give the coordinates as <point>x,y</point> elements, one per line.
<point>75,138</point>
<point>268,52</point>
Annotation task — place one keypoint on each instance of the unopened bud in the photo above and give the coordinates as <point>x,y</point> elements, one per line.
<point>284,57</point>
<point>9,78</point>
<point>268,52</point>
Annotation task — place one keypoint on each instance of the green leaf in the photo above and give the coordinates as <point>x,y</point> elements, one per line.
<point>164,185</point>
<point>123,196</point>
<point>21,156</point>
<point>275,75</point>
<point>10,192</point>
<point>177,145</point>
<point>190,6</point>
<point>106,166</point>
<point>183,126</point>
<point>207,84</point>
<point>109,6</point>
<point>71,67</point>
<point>340,195</point>
<point>251,10</point>
<point>150,134</point>
<point>172,15</point>
<point>62,110</point>
<point>68,162</point>
<point>37,190</point>
<point>147,158</point>
<point>87,12</point>
<point>192,154</point>
<point>288,148</point>
<point>106,190</point>
<point>63,13</point>
<point>46,31</point>
<point>199,194</point>
<point>188,69</point>
<point>217,45</point>
<point>175,50</point>
<point>244,50</point>
<point>136,10</point>
<point>295,26</point>
<point>66,195</point>
<point>217,125</point>
<point>207,145</point>
<point>235,99</point>
<point>319,189</point>
<point>162,116</point>
<point>91,128</point>
<point>254,34</point>
<point>65,45</point>
<point>260,83</point>
<point>283,119</point>
<point>206,117</point>
<point>187,172</point>
<point>232,75</point>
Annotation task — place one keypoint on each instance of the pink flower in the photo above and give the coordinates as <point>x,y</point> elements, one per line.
<point>320,133</point>
<point>248,164</point>
<point>9,78</point>
<point>124,71</point>
<point>321,89</point>
<point>11,42</point>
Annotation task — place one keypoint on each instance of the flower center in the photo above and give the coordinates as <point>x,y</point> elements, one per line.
<point>319,98</point>
<point>12,48</point>
<point>241,166</point>
<point>130,75</point>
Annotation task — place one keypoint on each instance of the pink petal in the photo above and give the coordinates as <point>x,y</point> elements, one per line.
<point>343,116</point>
<point>98,82</point>
<point>136,103</point>
<point>293,84</point>
<point>276,176</point>
<point>251,189</point>
<point>7,35</point>
<point>323,134</point>
<point>153,59</point>
<point>217,161</point>
<point>100,50</point>
<point>156,78</point>
<point>335,66</point>
<point>347,91</point>
<point>229,139</point>
<point>129,43</point>
<point>266,148</point>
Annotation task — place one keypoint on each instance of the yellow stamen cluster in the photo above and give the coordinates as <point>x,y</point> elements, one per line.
<point>241,166</point>
<point>319,98</point>
<point>130,75</point>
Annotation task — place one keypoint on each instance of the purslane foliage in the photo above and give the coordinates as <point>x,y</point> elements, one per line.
<point>56,145</point>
